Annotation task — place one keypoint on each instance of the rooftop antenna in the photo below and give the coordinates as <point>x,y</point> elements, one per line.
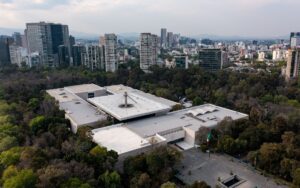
<point>126,104</point>
<point>126,96</point>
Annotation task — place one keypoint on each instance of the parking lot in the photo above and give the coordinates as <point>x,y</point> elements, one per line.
<point>198,166</point>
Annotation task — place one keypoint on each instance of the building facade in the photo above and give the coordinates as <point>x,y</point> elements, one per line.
<point>163,38</point>
<point>293,64</point>
<point>110,48</point>
<point>211,59</point>
<point>149,47</point>
<point>64,56</point>
<point>77,52</point>
<point>93,57</point>
<point>170,39</point>
<point>4,51</point>
<point>17,39</point>
<point>45,38</point>
<point>295,39</point>
<point>18,55</point>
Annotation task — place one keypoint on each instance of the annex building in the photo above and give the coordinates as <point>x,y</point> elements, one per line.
<point>142,120</point>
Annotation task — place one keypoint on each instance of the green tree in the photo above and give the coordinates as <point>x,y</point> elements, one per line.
<point>227,145</point>
<point>8,142</point>
<point>9,172</point>
<point>10,157</point>
<point>110,179</point>
<point>38,124</point>
<point>168,185</point>
<point>287,167</point>
<point>23,179</point>
<point>141,181</point>
<point>75,183</point>
<point>98,151</point>
<point>270,155</point>
<point>296,179</point>
<point>197,101</point>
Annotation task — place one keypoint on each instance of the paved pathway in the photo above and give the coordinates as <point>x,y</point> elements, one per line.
<point>197,166</point>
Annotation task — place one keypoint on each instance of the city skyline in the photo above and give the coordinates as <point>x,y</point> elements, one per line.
<point>247,18</point>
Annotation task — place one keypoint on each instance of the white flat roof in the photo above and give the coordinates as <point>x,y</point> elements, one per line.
<point>119,139</point>
<point>62,95</point>
<point>120,89</point>
<point>133,135</point>
<point>142,106</point>
<point>178,119</point>
<point>82,113</point>
<point>84,88</point>
<point>77,110</point>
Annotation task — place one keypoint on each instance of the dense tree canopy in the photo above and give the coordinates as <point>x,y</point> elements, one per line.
<point>38,149</point>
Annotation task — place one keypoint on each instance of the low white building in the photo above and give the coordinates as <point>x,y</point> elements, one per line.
<point>180,127</point>
<point>73,101</point>
<point>90,104</point>
<point>144,120</point>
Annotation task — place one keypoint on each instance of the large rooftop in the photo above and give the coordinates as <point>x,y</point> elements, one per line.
<point>209,116</point>
<point>133,135</point>
<point>62,95</point>
<point>138,106</point>
<point>84,88</point>
<point>82,113</point>
<point>77,110</point>
<point>120,89</point>
<point>119,139</point>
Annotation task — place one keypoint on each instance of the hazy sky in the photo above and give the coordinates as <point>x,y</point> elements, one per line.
<point>258,18</point>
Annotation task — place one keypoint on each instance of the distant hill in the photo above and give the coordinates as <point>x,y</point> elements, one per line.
<point>236,37</point>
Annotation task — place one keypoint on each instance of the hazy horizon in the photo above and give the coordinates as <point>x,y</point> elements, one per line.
<point>246,18</point>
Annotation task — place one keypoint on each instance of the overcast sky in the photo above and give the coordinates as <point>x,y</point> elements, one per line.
<point>259,18</point>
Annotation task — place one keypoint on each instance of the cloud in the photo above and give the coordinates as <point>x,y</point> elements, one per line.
<point>189,17</point>
<point>32,4</point>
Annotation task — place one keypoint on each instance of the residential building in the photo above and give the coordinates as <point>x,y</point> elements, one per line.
<point>64,56</point>
<point>211,59</point>
<point>261,56</point>
<point>295,39</point>
<point>163,38</point>
<point>110,49</point>
<point>179,61</point>
<point>279,55</point>
<point>45,38</point>
<point>293,64</point>
<point>93,57</point>
<point>149,47</point>
<point>77,52</point>
<point>101,41</point>
<point>17,38</point>
<point>4,50</point>
<point>24,40</point>
<point>170,39</point>
<point>72,40</point>
<point>18,55</point>
<point>34,59</point>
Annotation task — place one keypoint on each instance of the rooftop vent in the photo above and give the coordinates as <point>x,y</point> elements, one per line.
<point>233,181</point>
<point>202,111</point>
